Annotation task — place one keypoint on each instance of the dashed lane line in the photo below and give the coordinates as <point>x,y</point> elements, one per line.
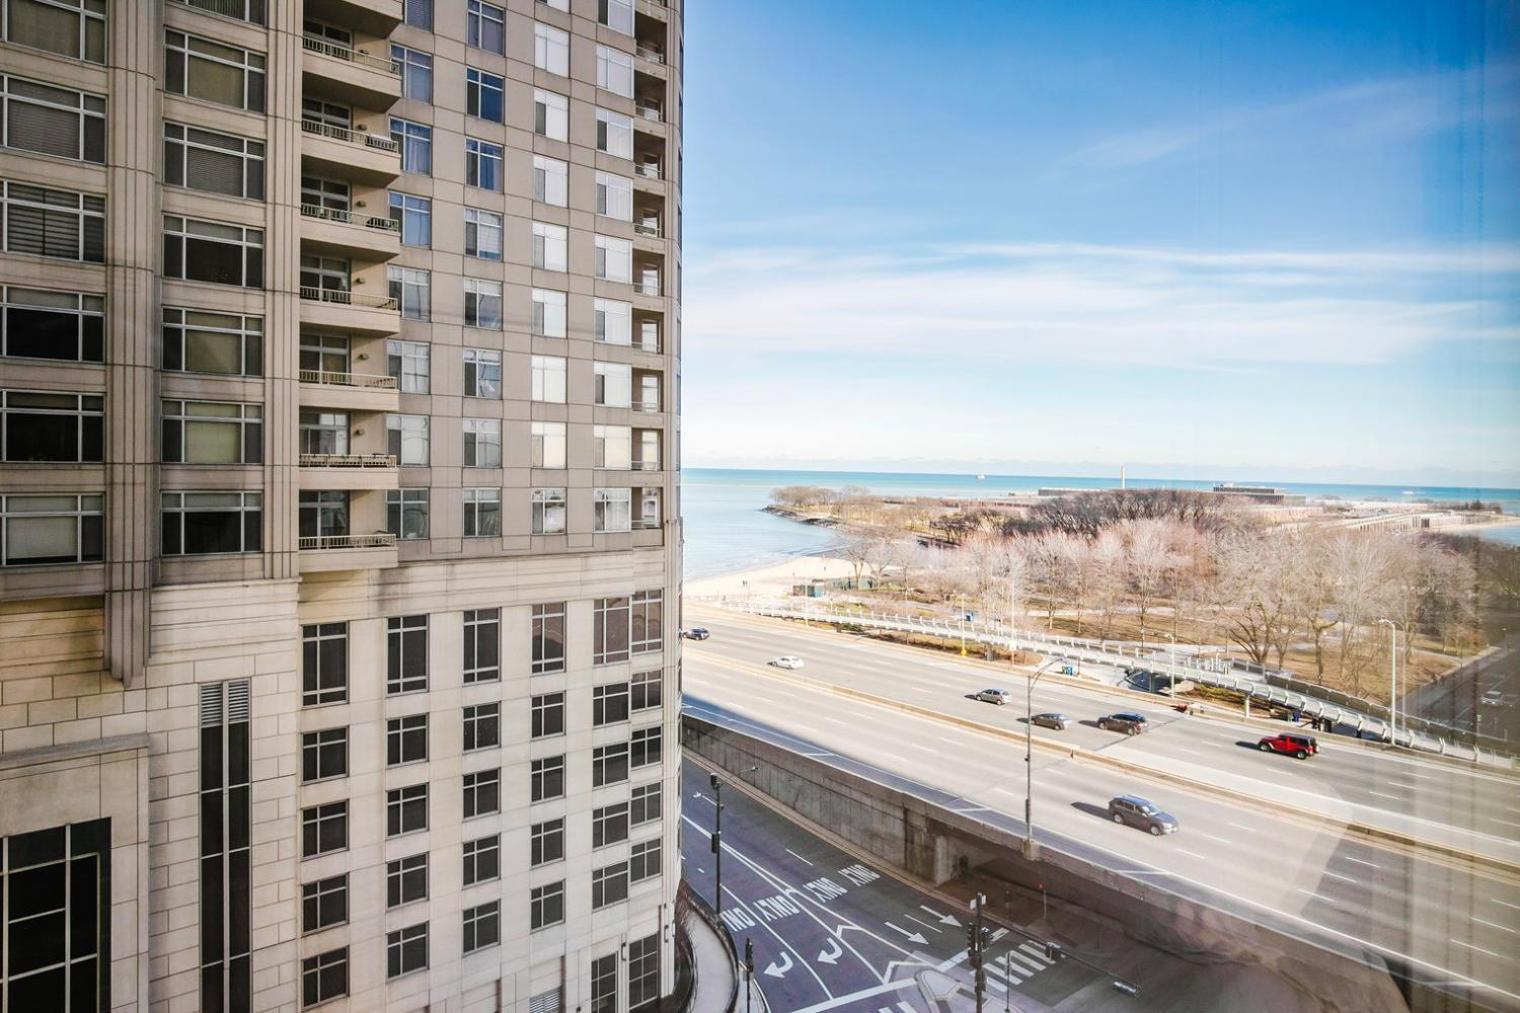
<point>1496,925</point>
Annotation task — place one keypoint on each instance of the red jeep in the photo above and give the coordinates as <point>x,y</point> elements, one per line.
<point>1299,746</point>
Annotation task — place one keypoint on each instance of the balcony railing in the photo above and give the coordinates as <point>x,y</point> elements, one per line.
<point>338,51</point>
<point>646,465</point>
<point>348,460</point>
<point>350,136</point>
<point>383,540</point>
<point>645,523</point>
<point>650,53</point>
<point>349,218</point>
<point>648,227</point>
<point>649,112</point>
<point>366,380</point>
<point>648,407</point>
<point>647,286</point>
<point>347,298</point>
<point>649,170</point>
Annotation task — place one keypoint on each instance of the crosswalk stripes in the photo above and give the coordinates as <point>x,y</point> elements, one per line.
<point>901,1007</point>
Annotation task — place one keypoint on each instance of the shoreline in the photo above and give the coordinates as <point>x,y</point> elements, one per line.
<point>773,579</point>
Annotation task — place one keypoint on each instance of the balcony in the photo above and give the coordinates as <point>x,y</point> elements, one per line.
<point>349,154</point>
<point>329,553</point>
<point>650,111</point>
<point>348,234</point>
<point>350,76</point>
<point>357,392</point>
<point>372,17</point>
<point>348,312</point>
<point>348,471</point>
<point>650,52</point>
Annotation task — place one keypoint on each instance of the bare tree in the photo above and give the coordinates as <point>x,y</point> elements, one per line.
<point>857,550</point>
<point>1149,562</point>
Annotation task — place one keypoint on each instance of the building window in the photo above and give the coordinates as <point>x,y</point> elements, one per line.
<point>412,291</point>
<point>614,71</point>
<point>487,27</point>
<point>482,443</point>
<point>324,829</point>
<point>644,746</point>
<point>485,96</point>
<point>51,529</point>
<point>64,326</point>
<point>609,765</point>
<point>406,647</point>
<point>413,217</point>
<point>551,49</point>
<point>482,164</point>
<point>53,223</point>
<point>547,842</point>
<point>644,804</point>
<point>482,373</point>
<point>482,860</point>
<point>548,449</point>
<point>406,880</point>
<point>547,779</point>
<point>406,950</point>
<point>614,384</point>
<point>616,15</point>
<point>611,510</point>
<point>614,133</point>
<point>548,638</point>
<point>604,984</point>
<point>324,754</point>
<point>212,432</point>
<point>644,973</point>
<point>609,704</point>
<point>482,234</point>
<point>482,513</point>
<point>322,433</point>
<point>227,344</point>
<point>610,630</point>
<point>609,885</point>
<point>324,664</point>
<point>559,5</point>
<point>40,426</point>
<point>611,447</point>
<point>324,977</point>
<point>614,321</point>
<point>609,825</point>
<point>201,523</point>
<point>614,196</point>
<point>644,860</point>
<point>226,761</point>
<point>551,246</point>
<point>406,739</point>
<point>482,726</point>
<point>546,905</point>
<point>551,115</point>
<point>482,304</point>
<point>416,73</point>
<point>408,363</point>
<point>482,926</point>
<point>548,511</point>
<point>207,160</point>
<point>482,641</point>
<point>551,181</point>
<point>213,71</point>
<point>324,903</point>
<point>52,121</point>
<point>647,617</point>
<point>406,810</point>
<point>419,14</point>
<point>548,378</point>
<point>416,143</point>
<point>72,28</point>
<point>482,793</point>
<point>614,259</point>
<point>646,689</point>
<point>407,441</point>
<point>406,513</point>
<point>548,715</point>
<point>213,252</point>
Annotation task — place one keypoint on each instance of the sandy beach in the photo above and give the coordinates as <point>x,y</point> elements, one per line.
<point>770,581</point>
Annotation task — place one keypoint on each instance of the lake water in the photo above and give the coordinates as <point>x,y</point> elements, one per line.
<point>727,531</point>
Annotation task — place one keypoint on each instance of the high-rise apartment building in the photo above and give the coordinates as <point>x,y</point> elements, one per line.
<point>339,533</point>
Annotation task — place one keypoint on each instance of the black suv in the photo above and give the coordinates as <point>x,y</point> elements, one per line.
<point>1124,721</point>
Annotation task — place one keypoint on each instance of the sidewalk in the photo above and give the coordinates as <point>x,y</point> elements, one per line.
<point>717,985</point>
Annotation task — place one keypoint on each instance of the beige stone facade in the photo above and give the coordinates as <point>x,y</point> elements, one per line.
<point>339,356</point>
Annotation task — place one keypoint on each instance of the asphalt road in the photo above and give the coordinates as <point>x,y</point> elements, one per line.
<point>1456,701</point>
<point>831,932</point>
<point>1446,923</point>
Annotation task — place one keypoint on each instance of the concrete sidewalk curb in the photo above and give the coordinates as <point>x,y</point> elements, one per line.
<point>1472,861</point>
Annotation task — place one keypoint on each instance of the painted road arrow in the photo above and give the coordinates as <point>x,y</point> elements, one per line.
<point>779,972</point>
<point>944,919</point>
<point>832,952</point>
<point>917,937</point>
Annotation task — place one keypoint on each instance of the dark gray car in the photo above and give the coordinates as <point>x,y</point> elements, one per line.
<point>1124,721</point>
<point>1051,719</point>
<point>1141,813</point>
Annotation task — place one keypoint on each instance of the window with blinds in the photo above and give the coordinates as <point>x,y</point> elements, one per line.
<point>53,223</point>
<point>551,1001</point>
<point>72,28</point>
<point>226,813</point>
<point>53,121</point>
<point>213,162</point>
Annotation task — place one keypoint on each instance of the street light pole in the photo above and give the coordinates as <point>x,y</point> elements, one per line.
<point>1171,678</point>
<point>717,843</point>
<point>1393,685</point>
<point>1029,845</point>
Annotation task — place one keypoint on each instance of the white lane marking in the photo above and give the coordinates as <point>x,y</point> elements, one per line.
<point>1480,949</point>
<point>1034,952</point>
<point>1382,794</point>
<point>1360,861</point>
<point>865,993</point>
<point>1506,903</point>
<point>1337,875</point>
<point>1311,893</point>
<point>1241,826</point>
<point>1195,854</point>
<point>1212,837</point>
<point>799,858</point>
<point>1184,749</point>
<point>1026,966</point>
<point>925,924</point>
<point>922,749</point>
<point>1508,823</point>
<point>1495,925</point>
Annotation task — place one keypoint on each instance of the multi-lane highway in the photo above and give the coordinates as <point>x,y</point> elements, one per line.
<point>1446,922</point>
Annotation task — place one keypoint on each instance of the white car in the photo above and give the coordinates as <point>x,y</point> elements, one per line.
<point>787,661</point>
<point>1493,698</point>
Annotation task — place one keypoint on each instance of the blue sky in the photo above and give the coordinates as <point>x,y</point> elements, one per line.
<point>1276,240</point>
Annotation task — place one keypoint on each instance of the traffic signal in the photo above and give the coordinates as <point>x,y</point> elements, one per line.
<point>715,839</point>
<point>749,955</point>
<point>971,947</point>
